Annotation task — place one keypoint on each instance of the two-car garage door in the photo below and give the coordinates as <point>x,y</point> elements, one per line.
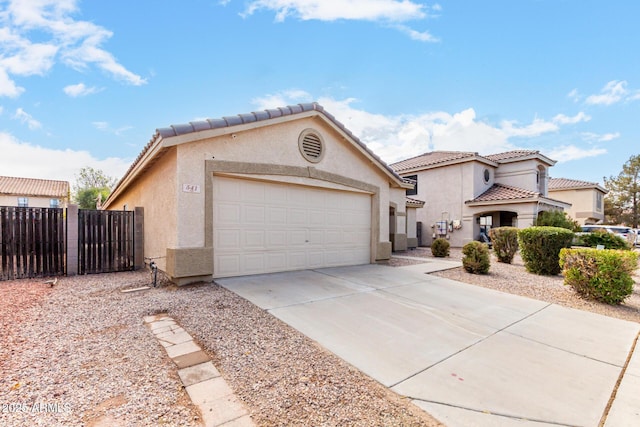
<point>263,227</point>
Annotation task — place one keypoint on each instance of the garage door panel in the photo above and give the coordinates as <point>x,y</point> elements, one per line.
<point>276,215</point>
<point>276,238</point>
<point>297,237</point>
<point>254,239</point>
<point>253,263</point>
<point>253,214</point>
<point>227,239</point>
<point>297,260</point>
<point>296,216</point>
<point>227,265</point>
<point>262,227</point>
<point>228,213</point>
<point>253,191</point>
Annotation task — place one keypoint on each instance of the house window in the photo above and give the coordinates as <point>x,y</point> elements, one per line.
<point>599,202</point>
<point>23,202</point>
<point>54,203</point>
<point>414,190</point>
<point>487,176</point>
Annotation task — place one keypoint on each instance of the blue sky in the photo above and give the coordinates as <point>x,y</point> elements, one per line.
<point>86,83</point>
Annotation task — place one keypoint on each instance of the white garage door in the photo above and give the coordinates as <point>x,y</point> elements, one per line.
<point>264,227</point>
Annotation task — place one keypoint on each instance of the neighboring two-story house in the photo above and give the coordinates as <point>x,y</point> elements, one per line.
<point>586,199</point>
<point>466,194</point>
<point>33,193</point>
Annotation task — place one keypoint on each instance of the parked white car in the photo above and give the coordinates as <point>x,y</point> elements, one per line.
<point>627,233</point>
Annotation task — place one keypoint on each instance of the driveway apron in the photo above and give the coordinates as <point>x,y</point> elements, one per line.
<point>469,356</point>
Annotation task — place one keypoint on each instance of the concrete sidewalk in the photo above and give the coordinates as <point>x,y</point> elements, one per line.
<point>469,356</point>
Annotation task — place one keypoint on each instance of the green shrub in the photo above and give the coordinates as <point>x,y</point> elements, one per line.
<point>604,238</point>
<point>557,219</point>
<point>505,243</point>
<point>601,275</point>
<point>540,248</point>
<point>476,257</point>
<point>440,247</point>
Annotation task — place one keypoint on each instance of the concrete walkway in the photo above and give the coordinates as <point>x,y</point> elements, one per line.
<point>202,381</point>
<point>469,356</point>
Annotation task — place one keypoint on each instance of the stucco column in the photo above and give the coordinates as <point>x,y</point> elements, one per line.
<point>138,238</point>
<point>72,240</point>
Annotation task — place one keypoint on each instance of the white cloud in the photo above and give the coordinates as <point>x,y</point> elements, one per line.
<point>565,120</point>
<point>571,152</point>
<point>611,93</point>
<point>7,86</point>
<point>48,163</point>
<point>536,128</point>
<point>590,136</point>
<point>26,118</point>
<point>387,11</point>
<point>331,10</point>
<point>105,127</point>
<point>398,137</point>
<point>76,43</point>
<point>574,95</point>
<point>423,36</point>
<point>80,90</point>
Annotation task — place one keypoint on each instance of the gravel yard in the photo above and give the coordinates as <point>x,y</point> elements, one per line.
<point>514,278</point>
<point>78,353</point>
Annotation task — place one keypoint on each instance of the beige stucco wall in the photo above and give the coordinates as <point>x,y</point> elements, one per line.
<point>522,174</point>
<point>584,206</point>
<point>276,145</point>
<point>445,190</point>
<point>176,191</point>
<point>34,202</point>
<point>155,190</point>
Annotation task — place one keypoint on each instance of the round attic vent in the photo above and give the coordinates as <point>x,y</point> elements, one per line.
<point>311,145</point>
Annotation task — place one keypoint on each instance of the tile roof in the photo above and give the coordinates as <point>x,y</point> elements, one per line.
<point>432,159</point>
<point>514,154</point>
<point>33,187</point>
<point>504,192</point>
<point>240,119</point>
<point>411,202</point>
<point>571,184</point>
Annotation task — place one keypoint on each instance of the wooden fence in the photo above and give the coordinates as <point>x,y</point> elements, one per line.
<point>105,241</point>
<point>32,242</point>
<point>44,242</point>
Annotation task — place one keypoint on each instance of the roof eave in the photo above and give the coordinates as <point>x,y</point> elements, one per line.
<point>155,147</point>
<point>479,159</point>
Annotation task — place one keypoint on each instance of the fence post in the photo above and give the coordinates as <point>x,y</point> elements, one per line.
<point>72,240</point>
<point>138,238</point>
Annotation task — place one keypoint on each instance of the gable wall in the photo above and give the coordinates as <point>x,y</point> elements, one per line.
<point>583,203</point>
<point>520,174</point>
<point>156,191</point>
<point>34,201</point>
<point>275,145</point>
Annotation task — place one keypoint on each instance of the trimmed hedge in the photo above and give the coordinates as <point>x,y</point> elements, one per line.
<point>604,238</point>
<point>540,248</point>
<point>476,257</point>
<point>440,247</point>
<point>600,274</point>
<point>505,243</point>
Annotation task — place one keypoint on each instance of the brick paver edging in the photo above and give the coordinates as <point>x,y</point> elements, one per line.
<point>202,381</point>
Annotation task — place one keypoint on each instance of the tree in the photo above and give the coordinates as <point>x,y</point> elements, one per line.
<point>92,186</point>
<point>624,193</point>
<point>557,218</point>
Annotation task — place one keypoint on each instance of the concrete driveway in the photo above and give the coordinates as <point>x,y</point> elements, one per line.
<point>467,355</point>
